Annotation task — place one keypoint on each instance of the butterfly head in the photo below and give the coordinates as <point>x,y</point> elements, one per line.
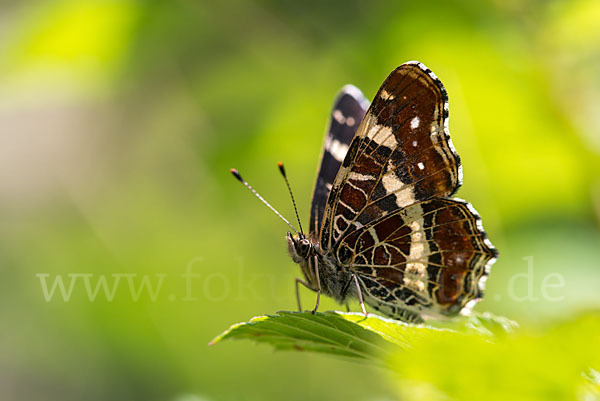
<point>302,251</point>
<point>300,247</point>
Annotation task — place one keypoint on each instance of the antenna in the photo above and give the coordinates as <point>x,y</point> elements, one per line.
<point>237,175</point>
<point>282,169</point>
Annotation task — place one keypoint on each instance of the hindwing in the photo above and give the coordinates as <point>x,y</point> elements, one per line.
<point>431,256</point>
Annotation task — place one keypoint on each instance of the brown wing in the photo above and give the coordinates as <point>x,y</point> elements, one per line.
<point>401,154</point>
<point>432,255</point>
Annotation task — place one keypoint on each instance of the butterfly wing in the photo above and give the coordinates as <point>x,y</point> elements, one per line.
<point>400,155</point>
<point>388,218</point>
<point>431,256</point>
<point>348,111</point>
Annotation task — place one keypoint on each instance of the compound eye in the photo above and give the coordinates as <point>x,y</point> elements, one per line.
<point>303,247</point>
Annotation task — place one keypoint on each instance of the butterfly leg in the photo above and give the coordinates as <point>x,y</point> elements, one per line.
<point>316,267</point>
<point>345,289</point>
<point>360,297</point>
<point>304,283</point>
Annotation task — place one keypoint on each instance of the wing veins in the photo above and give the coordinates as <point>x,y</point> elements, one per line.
<point>350,222</point>
<point>361,136</point>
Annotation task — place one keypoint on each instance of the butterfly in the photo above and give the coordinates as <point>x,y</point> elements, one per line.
<point>383,227</point>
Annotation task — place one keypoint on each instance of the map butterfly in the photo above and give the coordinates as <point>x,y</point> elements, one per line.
<point>383,226</point>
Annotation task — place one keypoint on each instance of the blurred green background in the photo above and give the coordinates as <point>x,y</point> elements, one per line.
<point>120,120</point>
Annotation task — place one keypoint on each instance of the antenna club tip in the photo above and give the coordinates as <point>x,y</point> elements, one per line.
<point>281,168</point>
<point>236,174</point>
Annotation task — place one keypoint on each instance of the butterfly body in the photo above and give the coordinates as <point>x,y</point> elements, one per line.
<point>382,224</point>
<point>332,279</point>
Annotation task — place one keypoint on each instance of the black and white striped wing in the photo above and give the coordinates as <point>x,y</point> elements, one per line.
<point>348,111</point>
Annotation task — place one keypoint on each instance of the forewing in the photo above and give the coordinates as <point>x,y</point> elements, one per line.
<point>400,155</point>
<point>348,111</point>
<point>432,255</point>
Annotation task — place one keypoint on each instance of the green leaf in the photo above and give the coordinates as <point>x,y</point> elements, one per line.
<point>327,332</point>
<point>556,362</point>
<point>349,334</point>
<point>467,358</point>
